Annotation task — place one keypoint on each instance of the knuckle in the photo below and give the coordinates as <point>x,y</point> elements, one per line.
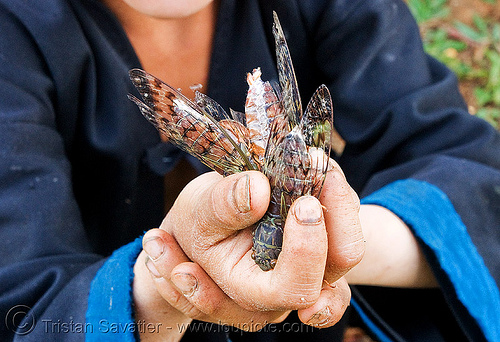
<point>193,312</point>
<point>296,297</point>
<point>177,300</point>
<point>354,252</point>
<point>340,263</point>
<point>211,309</point>
<point>180,302</point>
<point>349,257</point>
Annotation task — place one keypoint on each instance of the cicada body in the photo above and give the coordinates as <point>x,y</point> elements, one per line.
<point>267,240</point>
<point>297,153</point>
<point>273,135</point>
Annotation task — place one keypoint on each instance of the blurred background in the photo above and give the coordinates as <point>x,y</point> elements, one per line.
<point>465,35</point>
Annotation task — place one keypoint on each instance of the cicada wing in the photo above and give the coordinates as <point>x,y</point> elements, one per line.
<point>278,130</point>
<point>261,107</point>
<point>317,128</point>
<point>238,116</point>
<point>289,89</point>
<point>321,104</point>
<point>188,125</point>
<point>287,166</point>
<point>151,115</point>
<point>230,123</point>
<point>210,106</point>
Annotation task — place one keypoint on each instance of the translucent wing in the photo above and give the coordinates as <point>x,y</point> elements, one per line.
<point>238,116</point>
<point>317,127</point>
<point>210,106</point>
<point>232,124</point>
<point>296,161</point>
<point>261,107</point>
<point>290,91</point>
<point>278,130</point>
<point>190,127</point>
<point>296,157</point>
<point>287,166</point>
<point>317,122</point>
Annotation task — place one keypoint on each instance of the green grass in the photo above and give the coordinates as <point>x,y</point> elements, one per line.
<point>425,10</point>
<point>450,41</point>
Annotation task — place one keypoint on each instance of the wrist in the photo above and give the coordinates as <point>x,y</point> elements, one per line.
<point>393,256</point>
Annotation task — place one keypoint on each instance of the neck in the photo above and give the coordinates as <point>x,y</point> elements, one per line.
<point>168,32</point>
<point>175,49</point>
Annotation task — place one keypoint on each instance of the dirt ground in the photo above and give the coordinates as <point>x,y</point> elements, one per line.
<point>463,10</point>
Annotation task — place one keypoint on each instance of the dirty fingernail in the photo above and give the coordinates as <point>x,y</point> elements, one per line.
<point>320,318</point>
<point>185,282</point>
<point>241,192</point>
<point>307,210</point>
<point>154,247</point>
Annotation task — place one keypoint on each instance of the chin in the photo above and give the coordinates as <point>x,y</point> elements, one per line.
<point>168,8</point>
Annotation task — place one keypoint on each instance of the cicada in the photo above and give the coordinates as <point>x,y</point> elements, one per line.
<point>274,135</point>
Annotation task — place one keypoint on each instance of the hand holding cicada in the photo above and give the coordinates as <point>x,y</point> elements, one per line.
<point>274,135</point>
<point>212,221</point>
<point>212,218</point>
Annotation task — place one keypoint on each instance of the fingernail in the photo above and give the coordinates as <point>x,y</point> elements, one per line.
<point>320,318</point>
<point>307,210</point>
<point>241,192</point>
<point>185,282</point>
<point>154,247</point>
<point>152,268</point>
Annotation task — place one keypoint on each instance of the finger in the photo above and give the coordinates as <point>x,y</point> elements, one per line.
<point>297,278</point>
<point>345,238</point>
<point>187,287</point>
<point>330,307</point>
<point>163,254</point>
<point>301,264</point>
<point>211,208</point>
<point>211,304</point>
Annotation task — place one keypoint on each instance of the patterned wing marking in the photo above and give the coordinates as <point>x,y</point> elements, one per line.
<point>189,126</point>
<point>288,169</point>
<point>317,127</point>
<point>231,123</point>
<point>290,91</point>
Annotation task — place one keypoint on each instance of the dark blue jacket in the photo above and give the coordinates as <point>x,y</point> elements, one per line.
<point>81,171</point>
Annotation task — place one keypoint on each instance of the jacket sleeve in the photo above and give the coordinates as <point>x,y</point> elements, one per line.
<point>46,262</point>
<point>413,148</point>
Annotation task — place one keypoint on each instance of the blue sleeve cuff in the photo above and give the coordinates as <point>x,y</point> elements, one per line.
<point>434,221</point>
<point>110,314</point>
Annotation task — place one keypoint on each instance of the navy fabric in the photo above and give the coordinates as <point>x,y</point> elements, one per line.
<point>81,169</point>
<point>431,216</point>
